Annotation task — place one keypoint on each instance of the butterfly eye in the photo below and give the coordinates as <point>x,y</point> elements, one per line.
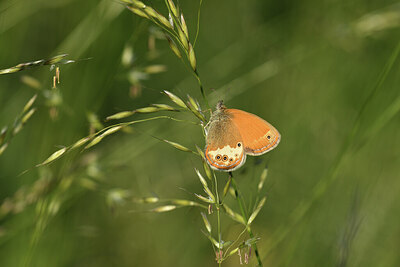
<point>225,158</point>
<point>218,157</point>
<point>239,144</point>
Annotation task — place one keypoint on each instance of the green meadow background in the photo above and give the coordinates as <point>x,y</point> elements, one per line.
<point>324,73</point>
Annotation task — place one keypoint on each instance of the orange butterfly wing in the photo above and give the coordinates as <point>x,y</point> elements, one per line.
<point>258,136</point>
<point>224,149</point>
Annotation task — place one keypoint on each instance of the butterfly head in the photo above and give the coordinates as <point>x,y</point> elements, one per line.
<point>220,105</point>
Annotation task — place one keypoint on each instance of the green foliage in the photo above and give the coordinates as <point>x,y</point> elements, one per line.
<point>78,188</point>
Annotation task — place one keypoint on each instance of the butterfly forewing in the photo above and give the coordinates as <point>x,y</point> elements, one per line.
<point>225,149</point>
<point>258,135</point>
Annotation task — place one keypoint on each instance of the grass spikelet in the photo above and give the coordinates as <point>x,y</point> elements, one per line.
<point>202,180</point>
<point>199,115</point>
<point>60,59</point>
<point>3,134</point>
<point>204,199</point>
<point>135,3</point>
<point>147,200</point>
<point>205,186</point>
<point>182,38</point>
<point>184,202</point>
<point>212,239</point>
<point>226,187</point>
<point>97,139</point>
<point>117,196</point>
<point>3,148</point>
<point>206,222</point>
<point>233,251</point>
<point>263,177</point>
<point>256,211</point>
<point>192,57</point>
<point>173,8</point>
<point>31,82</point>
<point>164,21</point>
<point>165,107</point>
<point>210,194</point>
<point>194,103</point>
<point>150,12</point>
<point>184,27</point>
<point>80,142</point>
<point>28,115</point>
<point>207,169</point>
<point>235,216</point>
<point>178,146</point>
<point>19,125</point>
<point>174,47</point>
<point>153,69</point>
<point>53,156</point>
<point>138,11</point>
<point>145,110</point>
<point>120,115</point>
<point>164,208</point>
<point>29,104</point>
<point>201,153</point>
<point>175,99</point>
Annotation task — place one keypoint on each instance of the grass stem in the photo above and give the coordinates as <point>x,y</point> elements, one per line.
<point>243,210</point>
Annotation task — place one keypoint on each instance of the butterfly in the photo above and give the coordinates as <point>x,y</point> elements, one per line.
<point>231,134</point>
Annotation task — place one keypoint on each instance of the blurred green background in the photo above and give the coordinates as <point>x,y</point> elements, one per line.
<point>324,73</point>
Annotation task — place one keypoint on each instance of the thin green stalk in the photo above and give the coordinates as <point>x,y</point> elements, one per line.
<point>198,24</point>
<point>243,210</point>
<point>196,74</point>
<point>217,205</point>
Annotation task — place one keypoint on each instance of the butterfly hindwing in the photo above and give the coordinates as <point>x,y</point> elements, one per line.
<point>224,149</point>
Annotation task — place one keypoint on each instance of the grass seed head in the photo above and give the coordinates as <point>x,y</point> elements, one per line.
<point>28,115</point>
<point>175,99</point>
<point>183,39</point>
<point>138,12</point>
<point>53,156</point>
<point>206,222</point>
<point>197,113</point>
<point>192,57</point>
<point>80,142</point>
<point>3,148</point>
<point>263,177</point>
<point>256,211</point>
<point>173,8</point>
<point>235,216</point>
<point>3,134</point>
<point>29,104</point>
<point>178,146</point>
<point>184,26</point>
<point>204,199</point>
<point>174,47</point>
<point>164,208</point>
<point>120,115</point>
<point>31,82</point>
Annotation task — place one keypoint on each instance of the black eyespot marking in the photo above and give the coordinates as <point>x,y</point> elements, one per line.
<point>268,137</point>
<point>231,159</point>
<point>239,144</point>
<point>218,157</point>
<point>225,158</point>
